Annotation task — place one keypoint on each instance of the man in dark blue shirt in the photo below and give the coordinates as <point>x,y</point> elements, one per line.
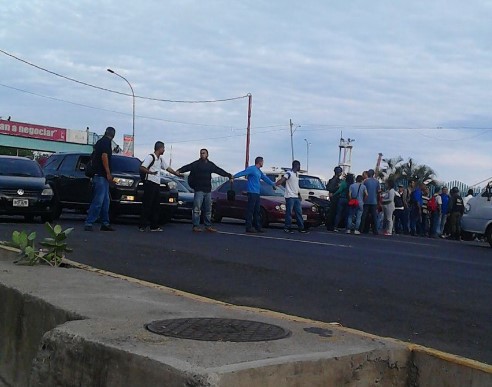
<point>102,167</point>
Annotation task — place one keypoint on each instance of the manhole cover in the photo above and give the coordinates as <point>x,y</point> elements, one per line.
<point>218,329</point>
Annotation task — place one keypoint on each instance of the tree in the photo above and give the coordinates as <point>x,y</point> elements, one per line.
<point>400,171</point>
<point>4,150</point>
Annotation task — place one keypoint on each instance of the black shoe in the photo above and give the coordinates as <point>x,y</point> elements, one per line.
<point>251,231</point>
<point>260,230</point>
<point>107,228</point>
<point>304,231</point>
<point>288,231</point>
<point>88,227</point>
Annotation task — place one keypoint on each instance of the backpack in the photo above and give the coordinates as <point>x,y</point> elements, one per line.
<point>458,205</point>
<point>143,175</point>
<point>398,201</point>
<point>432,204</point>
<point>89,167</point>
<point>332,185</point>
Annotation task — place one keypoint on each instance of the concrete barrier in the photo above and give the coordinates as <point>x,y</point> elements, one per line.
<point>85,327</point>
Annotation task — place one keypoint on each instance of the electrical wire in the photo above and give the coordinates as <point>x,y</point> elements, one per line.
<point>118,92</point>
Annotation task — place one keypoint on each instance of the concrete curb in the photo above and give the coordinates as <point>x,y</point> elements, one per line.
<point>94,334</point>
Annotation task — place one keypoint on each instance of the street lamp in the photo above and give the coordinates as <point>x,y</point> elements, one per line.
<point>133,99</point>
<point>307,154</point>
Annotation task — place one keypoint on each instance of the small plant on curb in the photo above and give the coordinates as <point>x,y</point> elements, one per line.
<point>57,247</point>
<point>55,244</point>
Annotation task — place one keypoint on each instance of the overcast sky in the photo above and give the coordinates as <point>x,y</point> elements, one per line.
<point>404,78</point>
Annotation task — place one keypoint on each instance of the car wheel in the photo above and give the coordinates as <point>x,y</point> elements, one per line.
<point>29,218</point>
<point>263,218</point>
<point>47,218</point>
<point>216,218</point>
<point>113,215</point>
<point>56,208</point>
<point>488,235</point>
<point>164,217</point>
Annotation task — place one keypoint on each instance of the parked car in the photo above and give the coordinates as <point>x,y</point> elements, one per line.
<point>272,204</point>
<point>72,189</point>
<point>477,219</point>
<point>309,185</point>
<point>185,197</point>
<point>24,190</point>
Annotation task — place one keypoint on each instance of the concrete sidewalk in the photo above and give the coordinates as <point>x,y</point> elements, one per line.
<point>79,326</point>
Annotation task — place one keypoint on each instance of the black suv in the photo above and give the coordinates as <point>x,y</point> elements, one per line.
<point>65,172</point>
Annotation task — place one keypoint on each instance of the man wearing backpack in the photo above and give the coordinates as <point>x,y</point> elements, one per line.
<point>332,187</point>
<point>101,164</point>
<point>456,210</point>
<point>151,168</point>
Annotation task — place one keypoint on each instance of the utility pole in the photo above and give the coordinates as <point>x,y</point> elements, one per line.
<point>248,129</point>
<point>292,131</point>
<point>307,154</point>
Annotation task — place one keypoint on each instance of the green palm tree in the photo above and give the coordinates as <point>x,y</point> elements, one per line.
<point>400,171</point>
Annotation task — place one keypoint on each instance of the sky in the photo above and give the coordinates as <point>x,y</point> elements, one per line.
<point>401,78</point>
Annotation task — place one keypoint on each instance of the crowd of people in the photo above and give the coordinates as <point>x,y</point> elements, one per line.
<point>362,206</point>
<point>358,204</point>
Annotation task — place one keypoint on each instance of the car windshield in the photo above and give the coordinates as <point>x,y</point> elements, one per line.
<point>124,164</point>
<point>311,182</point>
<point>20,167</point>
<point>267,190</point>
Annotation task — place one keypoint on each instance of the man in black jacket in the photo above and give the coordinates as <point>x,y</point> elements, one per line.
<point>200,180</point>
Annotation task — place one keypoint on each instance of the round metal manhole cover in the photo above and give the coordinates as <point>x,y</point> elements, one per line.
<point>218,329</point>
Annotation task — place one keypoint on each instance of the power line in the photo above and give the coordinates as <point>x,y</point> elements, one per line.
<point>108,110</point>
<point>114,91</point>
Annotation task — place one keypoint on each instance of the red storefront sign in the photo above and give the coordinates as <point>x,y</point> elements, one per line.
<point>22,129</point>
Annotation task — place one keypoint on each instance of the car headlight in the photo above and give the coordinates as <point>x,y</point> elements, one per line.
<point>324,197</point>
<point>172,185</point>
<point>47,192</point>
<point>314,209</point>
<point>123,182</point>
<point>280,207</point>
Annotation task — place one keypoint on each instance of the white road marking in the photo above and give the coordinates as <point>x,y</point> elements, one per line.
<point>284,239</point>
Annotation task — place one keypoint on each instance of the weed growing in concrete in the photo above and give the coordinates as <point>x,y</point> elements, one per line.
<point>56,246</point>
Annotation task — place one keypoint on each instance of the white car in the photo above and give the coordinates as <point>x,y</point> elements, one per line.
<point>309,185</point>
<point>477,218</point>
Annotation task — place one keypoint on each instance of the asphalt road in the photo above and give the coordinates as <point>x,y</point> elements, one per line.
<point>428,291</point>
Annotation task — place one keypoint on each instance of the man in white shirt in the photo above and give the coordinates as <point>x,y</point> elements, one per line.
<point>468,196</point>
<point>151,167</point>
<point>292,198</point>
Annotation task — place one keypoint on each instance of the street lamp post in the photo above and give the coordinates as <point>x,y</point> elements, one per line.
<point>307,154</point>
<point>133,115</point>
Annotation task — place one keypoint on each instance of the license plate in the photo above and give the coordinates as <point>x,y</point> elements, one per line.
<point>20,203</point>
<point>304,217</point>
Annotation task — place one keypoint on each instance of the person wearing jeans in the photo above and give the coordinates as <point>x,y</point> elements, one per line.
<point>202,200</point>
<point>101,159</point>
<point>292,197</point>
<point>200,179</point>
<point>254,175</point>
<point>99,208</point>
<point>357,191</point>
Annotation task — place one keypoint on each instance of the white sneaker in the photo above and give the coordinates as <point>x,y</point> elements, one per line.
<point>357,232</point>
<point>348,231</point>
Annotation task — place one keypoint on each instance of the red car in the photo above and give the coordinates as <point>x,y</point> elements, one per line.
<point>272,204</point>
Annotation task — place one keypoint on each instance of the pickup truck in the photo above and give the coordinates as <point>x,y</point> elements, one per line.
<point>65,173</point>
<point>477,219</point>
